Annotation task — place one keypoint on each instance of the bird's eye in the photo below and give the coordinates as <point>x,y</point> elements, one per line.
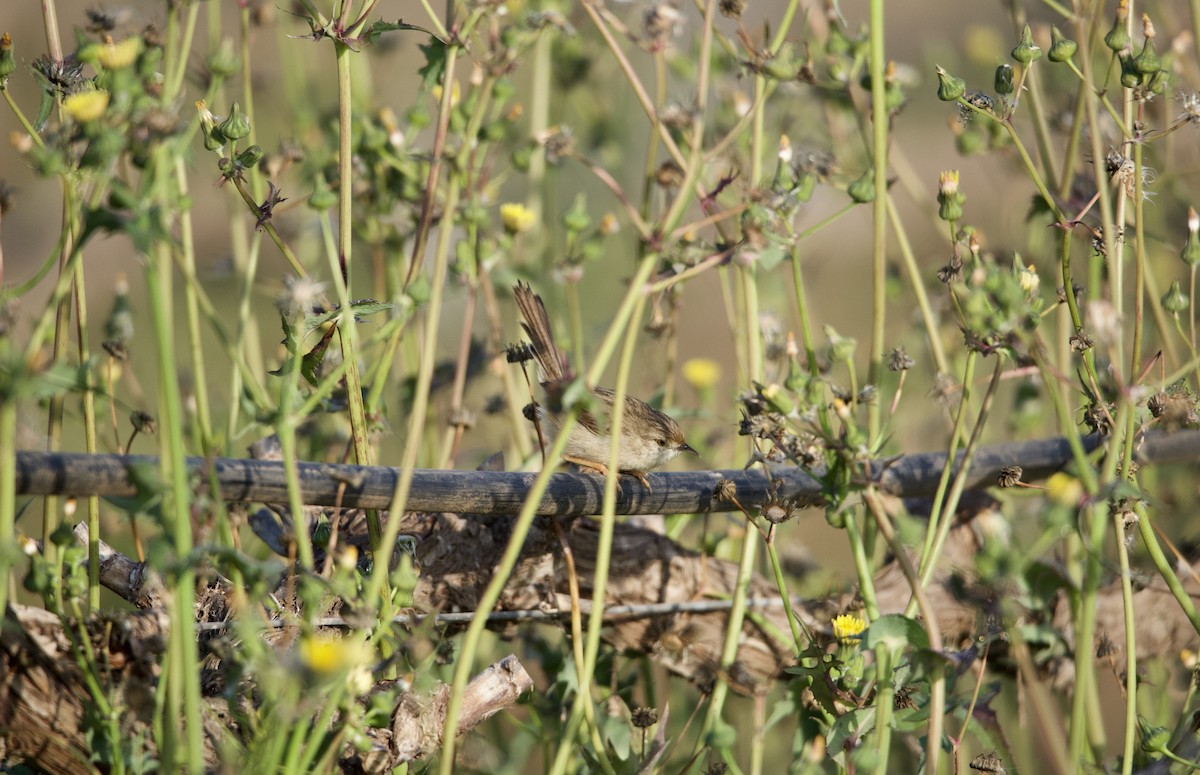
<point>662,442</point>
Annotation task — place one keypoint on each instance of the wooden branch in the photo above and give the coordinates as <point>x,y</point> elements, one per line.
<point>569,495</point>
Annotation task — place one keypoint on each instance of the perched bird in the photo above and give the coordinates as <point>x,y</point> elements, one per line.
<point>649,438</point>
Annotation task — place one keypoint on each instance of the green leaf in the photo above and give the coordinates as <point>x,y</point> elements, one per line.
<point>769,258</point>
<point>313,358</point>
<point>850,726</point>
<point>895,632</point>
<point>375,31</point>
<point>361,309</point>
<point>435,63</point>
<point>44,108</point>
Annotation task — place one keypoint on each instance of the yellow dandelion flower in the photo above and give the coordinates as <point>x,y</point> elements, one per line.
<point>847,627</point>
<point>516,217</point>
<point>117,56</point>
<point>327,654</point>
<point>86,106</point>
<point>455,93</point>
<point>1064,489</point>
<point>702,373</point>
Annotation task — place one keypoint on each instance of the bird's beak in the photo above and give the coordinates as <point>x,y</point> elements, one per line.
<point>685,448</point>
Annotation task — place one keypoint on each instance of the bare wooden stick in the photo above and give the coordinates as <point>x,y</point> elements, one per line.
<point>569,495</point>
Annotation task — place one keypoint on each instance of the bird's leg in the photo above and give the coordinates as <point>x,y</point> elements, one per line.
<point>641,477</point>
<point>602,470</point>
<point>599,468</point>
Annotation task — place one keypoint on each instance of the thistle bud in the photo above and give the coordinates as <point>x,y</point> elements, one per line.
<point>1174,300</point>
<point>223,61</point>
<point>250,157</point>
<point>1159,82</point>
<point>1130,77</point>
<point>778,399</point>
<point>1147,63</point>
<point>1117,38</point>
<point>1004,80</point>
<point>950,89</point>
<point>237,125</point>
<point>1155,739</point>
<point>8,62</point>
<point>1061,49</point>
<point>863,189</point>
<point>1026,51</point>
<point>950,198</point>
<point>576,219</point>
<point>1191,249</point>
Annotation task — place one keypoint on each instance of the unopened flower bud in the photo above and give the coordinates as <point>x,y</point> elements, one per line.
<point>237,125</point>
<point>1117,38</point>
<point>1155,739</point>
<point>778,399</point>
<point>950,88</point>
<point>1159,82</point>
<point>863,189</point>
<point>1026,51</point>
<point>1147,62</point>
<point>950,198</point>
<point>1191,249</point>
<point>1174,300</point>
<point>250,157</point>
<point>8,61</point>
<point>1130,77</point>
<point>1061,48</point>
<point>1004,80</point>
<point>223,61</point>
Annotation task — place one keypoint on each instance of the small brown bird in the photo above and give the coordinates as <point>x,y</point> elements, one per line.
<point>649,438</point>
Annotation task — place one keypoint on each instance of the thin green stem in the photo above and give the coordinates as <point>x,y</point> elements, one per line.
<point>880,124</point>
<point>491,594</point>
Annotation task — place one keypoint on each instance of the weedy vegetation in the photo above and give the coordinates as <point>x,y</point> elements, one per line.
<point>729,210</point>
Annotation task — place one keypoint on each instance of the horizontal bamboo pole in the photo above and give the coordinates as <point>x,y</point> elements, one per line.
<point>569,494</point>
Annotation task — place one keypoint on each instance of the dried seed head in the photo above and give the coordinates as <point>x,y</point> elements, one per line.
<point>725,491</point>
<point>1009,476</point>
<point>644,717</point>
<point>143,422</point>
<point>899,360</point>
<point>988,762</point>
<point>521,352</point>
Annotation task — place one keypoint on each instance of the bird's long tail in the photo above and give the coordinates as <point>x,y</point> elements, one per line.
<point>553,366</point>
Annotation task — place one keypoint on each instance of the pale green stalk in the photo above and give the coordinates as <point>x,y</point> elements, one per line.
<point>487,600</point>
<point>89,433</point>
<point>932,530</point>
<point>347,328</point>
<point>915,282</point>
<point>175,505</point>
<point>880,124</point>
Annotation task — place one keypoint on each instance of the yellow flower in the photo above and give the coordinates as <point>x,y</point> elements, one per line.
<point>328,654</point>
<point>701,373</point>
<point>86,106</point>
<point>1029,280</point>
<point>1064,489</point>
<point>116,56</point>
<point>454,93</point>
<point>948,182</point>
<point>847,627</point>
<point>609,225</point>
<point>516,217</point>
